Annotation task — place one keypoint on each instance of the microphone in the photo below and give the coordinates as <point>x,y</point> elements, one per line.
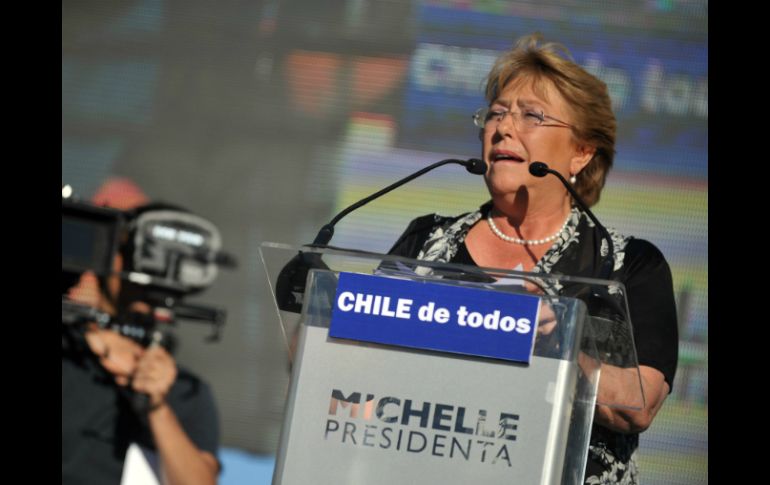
<point>290,285</point>
<point>540,169</point>
<point>473,165</point>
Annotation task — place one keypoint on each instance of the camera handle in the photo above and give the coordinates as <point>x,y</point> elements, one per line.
<point>203,314</point>
<point>140,402</point>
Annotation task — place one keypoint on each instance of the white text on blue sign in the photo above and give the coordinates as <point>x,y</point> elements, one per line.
<point>432,316</point>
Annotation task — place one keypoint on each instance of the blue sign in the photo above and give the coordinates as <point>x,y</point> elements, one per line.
<point>433,316</point>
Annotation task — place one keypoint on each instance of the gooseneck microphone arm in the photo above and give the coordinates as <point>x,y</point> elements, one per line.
<point>473,165</point>
<point>290,285</point>
<point>540,169</point>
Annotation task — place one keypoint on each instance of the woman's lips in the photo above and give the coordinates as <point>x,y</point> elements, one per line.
<point>504,156</point>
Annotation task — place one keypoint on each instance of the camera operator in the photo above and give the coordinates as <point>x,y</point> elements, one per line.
<point>118,392</point>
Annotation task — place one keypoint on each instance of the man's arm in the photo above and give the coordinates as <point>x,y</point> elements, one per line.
<point>182,461</point>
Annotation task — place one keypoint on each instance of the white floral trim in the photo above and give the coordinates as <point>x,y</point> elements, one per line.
<point>618,473</point>
<point>444,242</point>
<point>568,236</point>
<point>619,245</point>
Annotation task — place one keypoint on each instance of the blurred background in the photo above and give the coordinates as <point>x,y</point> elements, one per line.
<point>267,117</point>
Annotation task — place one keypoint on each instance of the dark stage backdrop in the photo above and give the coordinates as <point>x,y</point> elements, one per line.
<point>267,117</point>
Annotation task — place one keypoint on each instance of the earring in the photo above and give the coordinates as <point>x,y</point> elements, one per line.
<point>572,180</point>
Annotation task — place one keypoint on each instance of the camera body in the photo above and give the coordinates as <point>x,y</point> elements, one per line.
<point>167,253</point>
<point>90,237</point>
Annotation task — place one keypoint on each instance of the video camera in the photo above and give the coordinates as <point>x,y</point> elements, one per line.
<point>167,254</point>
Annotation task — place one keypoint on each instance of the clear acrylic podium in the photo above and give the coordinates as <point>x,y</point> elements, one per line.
<point>361,412</point>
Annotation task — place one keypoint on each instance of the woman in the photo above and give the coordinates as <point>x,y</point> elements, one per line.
<point>544,107</point>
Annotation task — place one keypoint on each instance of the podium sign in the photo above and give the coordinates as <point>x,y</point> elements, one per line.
<point>433,316</point>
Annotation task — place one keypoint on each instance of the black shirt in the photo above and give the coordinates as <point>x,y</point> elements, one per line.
<point>98,423</point>
<point>639,265</point>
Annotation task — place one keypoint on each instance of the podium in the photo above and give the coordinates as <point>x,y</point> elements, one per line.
<point>375,413</point>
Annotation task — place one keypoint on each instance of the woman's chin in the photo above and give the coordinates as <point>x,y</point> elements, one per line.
<point>504,189</point>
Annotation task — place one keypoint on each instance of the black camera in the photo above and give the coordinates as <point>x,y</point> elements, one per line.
<point>89,237</point>
<point>165,254</point>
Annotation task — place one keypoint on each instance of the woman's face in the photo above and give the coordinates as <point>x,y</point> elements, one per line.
<point>510,145</point>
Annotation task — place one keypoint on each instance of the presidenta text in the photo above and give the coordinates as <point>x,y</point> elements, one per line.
<point>440,430</point>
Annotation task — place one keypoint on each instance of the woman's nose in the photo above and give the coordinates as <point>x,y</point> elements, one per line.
<point>507,125</point>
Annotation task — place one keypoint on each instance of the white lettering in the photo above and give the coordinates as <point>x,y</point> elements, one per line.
<point>450,68</point>
<point>164,232</point>
<point>616,79</point>
<point>191,238</point>
<point>675,94</point>
<point>403,307</point>
<point>475,319</point>
<point>386,311</point>
<point>491,320</point>
<point>345,301</point>
<point>507,323</point>
<point>462,312</point>
<point>442,315</point>
<point>425,313</point>
<point>523,325</point>
<point>373,305</point>
<point>363,303</point>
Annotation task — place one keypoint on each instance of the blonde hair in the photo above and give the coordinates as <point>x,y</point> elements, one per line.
<point>586,95</point>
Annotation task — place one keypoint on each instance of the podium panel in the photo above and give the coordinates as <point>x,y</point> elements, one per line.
<point>363,412</point>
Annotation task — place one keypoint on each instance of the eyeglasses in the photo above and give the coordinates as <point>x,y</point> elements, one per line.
<point>524,121</point>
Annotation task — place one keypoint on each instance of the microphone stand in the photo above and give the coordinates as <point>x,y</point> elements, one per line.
<point>290,285</point>
<point>540,169</point>
<point>473,165</point>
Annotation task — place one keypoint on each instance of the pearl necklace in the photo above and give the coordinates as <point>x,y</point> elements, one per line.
<point>526,242</point>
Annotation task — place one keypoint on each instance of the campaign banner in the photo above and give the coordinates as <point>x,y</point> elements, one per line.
<point>657,79</point>
<point>434,316</point>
